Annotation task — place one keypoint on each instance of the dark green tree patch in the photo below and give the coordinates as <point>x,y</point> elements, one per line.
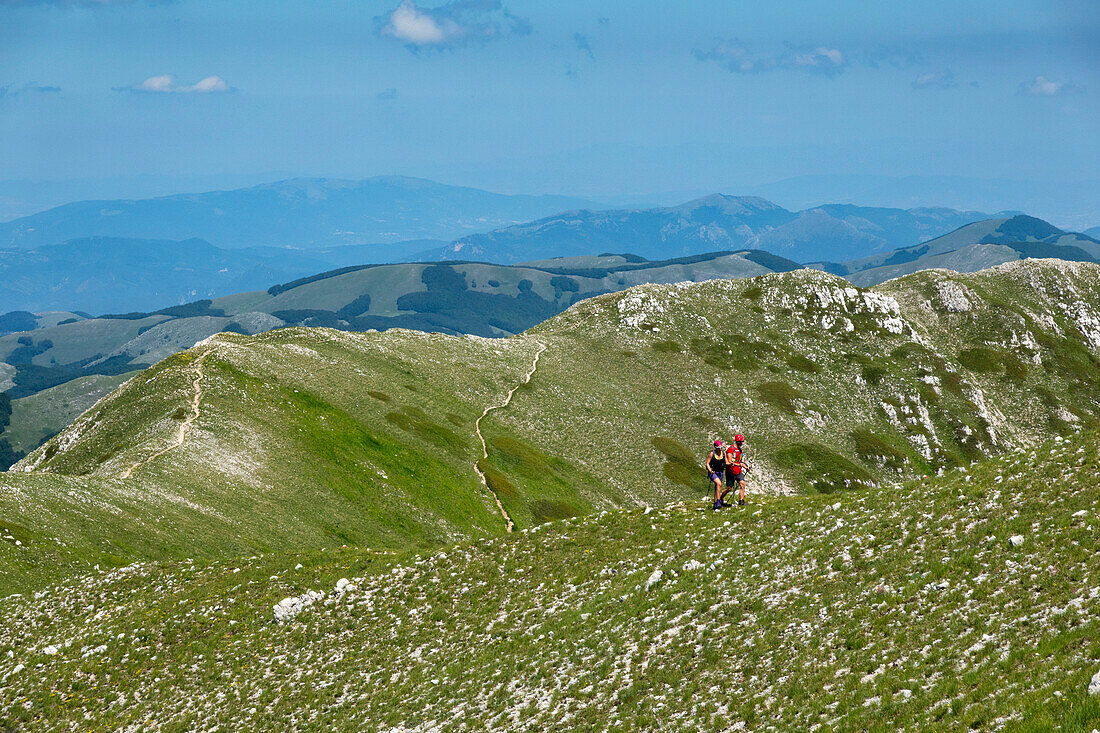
<point>563,284</point>
<point>357,307</point>
<point>443,279</point>
<point>14,321</point>
<point>190,310</point>
<point>449,303</point>
<point>309,317</point>
<point>27,350</point>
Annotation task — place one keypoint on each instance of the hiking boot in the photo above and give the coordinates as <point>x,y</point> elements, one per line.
<point>718,505</point>
<point>740,502</point>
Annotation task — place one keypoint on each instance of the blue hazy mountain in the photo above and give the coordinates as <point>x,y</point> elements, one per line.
<point>117,274</point>
<point>1074,205</point>
<point>832,232</point>
<point>302,212</point>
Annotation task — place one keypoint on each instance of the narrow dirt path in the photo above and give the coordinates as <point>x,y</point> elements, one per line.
<point>508,524</point>
<point>185,424</point>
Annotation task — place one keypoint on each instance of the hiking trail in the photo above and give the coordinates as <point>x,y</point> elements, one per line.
<point>508,524</point>
<point>185,424</point>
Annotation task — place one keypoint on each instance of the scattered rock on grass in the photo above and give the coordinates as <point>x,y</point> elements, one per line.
<point>288,608</point>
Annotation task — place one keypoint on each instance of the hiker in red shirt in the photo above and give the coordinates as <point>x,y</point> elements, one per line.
<point>736,468</point>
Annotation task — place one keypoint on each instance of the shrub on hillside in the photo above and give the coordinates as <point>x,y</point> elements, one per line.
<point>779,394</point>
<point>826,471</point>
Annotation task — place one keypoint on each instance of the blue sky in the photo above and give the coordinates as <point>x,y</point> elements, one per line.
<point>592,98</point>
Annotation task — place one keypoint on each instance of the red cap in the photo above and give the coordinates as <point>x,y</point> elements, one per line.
<point>739,438</point>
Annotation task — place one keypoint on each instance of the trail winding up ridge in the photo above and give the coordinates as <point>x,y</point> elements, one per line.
<point>508,524</point>
<point>185,425</point>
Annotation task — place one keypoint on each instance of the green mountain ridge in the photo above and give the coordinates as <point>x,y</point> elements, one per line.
<point>298,439</point>
<point>490,300</point>
<point>974,247</point>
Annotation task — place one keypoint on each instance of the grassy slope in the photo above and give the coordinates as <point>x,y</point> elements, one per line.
<point>386,283</point>
<point>74,342</point>
<point>309,437</point>
<point>305,439</point>
<point>965,259</point>
<point>45,414</point>
<point>904,608</point>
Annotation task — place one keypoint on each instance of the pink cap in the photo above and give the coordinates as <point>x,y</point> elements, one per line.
<point>717,444</point>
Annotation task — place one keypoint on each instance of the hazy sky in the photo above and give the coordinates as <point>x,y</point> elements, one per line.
<point>568,96</point>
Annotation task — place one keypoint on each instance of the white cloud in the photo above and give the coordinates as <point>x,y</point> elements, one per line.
<point>820,56</point>
<point>735,57</point>
<point>1043,87</point>
<point>168,84</point>
<point>209,84</point>
<point>450,24</point>
<point>934,80</point>
<point>409,24</point>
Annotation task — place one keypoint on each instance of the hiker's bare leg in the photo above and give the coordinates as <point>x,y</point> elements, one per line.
<point>741,497</point>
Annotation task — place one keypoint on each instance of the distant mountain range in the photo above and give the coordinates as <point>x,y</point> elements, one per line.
<point>1074,205</point>
<point>973,247</point>
<point>118,274</point>
<point>302,212</point>
<point>120,256</point>
<point>709,223</point>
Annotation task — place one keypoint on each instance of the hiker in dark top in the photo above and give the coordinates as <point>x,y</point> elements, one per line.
<point>716,468</point>
<point>736,468</point>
